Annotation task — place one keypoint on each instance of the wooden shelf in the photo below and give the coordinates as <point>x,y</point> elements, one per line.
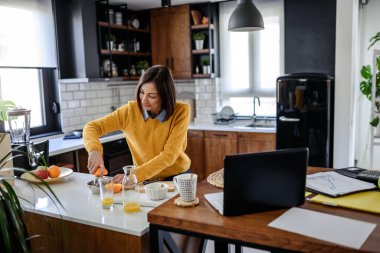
<point>203,51</point>
<point>200,27</point>
<point>122,27</point>
<point>115,52</point>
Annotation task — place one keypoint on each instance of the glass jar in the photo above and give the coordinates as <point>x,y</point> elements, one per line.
<point>19,125</point>
<point>131,193</point>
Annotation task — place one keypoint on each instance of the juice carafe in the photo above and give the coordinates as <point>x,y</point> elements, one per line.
<point>130,190</point>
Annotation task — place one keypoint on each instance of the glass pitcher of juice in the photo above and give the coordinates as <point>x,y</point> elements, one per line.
<point>130,190</point>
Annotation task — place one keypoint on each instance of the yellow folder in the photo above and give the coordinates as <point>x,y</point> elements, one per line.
<point>368,201</point>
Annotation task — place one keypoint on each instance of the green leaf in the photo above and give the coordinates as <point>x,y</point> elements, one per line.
<point>375,121</point>
<point>374,39</point>
<point>366,72</point>
<point>4,106</point>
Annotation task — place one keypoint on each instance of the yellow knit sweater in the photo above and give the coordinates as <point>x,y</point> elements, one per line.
<point>158,149</point>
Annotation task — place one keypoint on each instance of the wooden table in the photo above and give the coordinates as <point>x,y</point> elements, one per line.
<point>250,230</point>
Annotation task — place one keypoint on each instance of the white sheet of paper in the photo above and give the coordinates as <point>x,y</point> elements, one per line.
<point>327,227</point>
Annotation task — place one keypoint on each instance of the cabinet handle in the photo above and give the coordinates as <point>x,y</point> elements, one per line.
<point>172,64</point>
<point>220,135</point>
<point>286,119</point>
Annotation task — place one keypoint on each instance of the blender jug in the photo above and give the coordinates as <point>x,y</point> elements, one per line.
<point>19,125</point>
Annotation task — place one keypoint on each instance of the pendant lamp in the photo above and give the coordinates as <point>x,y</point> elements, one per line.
<point>166,3</point>
<point>245,18</point>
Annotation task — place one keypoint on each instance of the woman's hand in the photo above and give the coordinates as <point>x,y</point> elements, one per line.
<point>118,178</point>
<point>95,161</point>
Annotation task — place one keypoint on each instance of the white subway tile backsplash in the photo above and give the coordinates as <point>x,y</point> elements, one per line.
<point>90,94</point>
<point>73,104</point>
<point>83,102</point>
<point>92,110</point>
<point>63,105</point>
<point>72,86</point>
<point>74,121</point>
<point>67,96</point>
<point>79,95</point>
<point>80,111</point>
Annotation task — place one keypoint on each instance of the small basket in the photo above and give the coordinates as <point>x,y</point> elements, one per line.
<point>216,178</point>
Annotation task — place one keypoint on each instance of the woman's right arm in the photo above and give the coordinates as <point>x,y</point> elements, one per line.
<point>91,133</point>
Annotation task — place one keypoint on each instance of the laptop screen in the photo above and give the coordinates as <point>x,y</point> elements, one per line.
<point>264,181</point>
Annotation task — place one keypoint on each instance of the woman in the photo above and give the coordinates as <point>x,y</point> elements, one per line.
<point>155,126</point>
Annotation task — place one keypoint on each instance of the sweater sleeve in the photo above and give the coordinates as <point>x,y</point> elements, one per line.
<point>172,148</point>
<point>96,128</point>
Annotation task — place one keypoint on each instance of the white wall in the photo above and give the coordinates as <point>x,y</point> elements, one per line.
<point>345,79</point>
<point>369,25</point>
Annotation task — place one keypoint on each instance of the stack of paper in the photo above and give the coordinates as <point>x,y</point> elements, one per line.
<point>333,184</point>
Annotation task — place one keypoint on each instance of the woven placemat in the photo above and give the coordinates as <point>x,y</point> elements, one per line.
<point>216,178</point>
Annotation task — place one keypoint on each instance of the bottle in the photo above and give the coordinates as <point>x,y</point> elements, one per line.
<point>130,190</point>
<point>197,69</point>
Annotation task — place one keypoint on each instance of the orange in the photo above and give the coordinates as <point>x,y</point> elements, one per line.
<point>97,172</point>
<point>116,187</point>
<point>54,171</point>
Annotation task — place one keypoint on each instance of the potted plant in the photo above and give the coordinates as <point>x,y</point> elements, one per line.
<point>199,39</point>
<point>206,66</point>
<point>142,66</point>
<point>366,84</point>
<point>14,236</point>
<point>110,40</point>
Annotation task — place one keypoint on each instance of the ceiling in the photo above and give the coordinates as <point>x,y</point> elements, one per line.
<point>149,4</point>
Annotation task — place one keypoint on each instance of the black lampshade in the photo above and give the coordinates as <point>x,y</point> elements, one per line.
<point>245,18</point>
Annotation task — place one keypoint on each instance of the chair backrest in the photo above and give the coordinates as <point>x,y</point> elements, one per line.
<point>41,152</point>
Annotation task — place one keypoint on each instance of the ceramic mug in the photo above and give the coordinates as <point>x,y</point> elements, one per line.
<point>186,185</point>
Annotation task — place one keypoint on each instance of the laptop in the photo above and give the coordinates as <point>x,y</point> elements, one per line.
<point>262,181</point>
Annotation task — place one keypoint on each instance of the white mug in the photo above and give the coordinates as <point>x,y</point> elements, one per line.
<point>186,185</point>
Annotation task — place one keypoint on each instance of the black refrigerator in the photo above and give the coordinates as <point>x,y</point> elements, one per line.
<point>305,115</point>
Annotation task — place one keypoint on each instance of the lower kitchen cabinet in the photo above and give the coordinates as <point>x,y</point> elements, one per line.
<point>256,142</point>
<point>196,151</point>
<point>218,144</point>
<point>207,149</point>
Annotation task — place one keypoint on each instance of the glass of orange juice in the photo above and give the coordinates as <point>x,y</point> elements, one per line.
<point>131,194</point>
<point>106,192</point>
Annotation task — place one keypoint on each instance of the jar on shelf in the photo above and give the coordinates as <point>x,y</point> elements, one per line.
<point>110,16</point>
<point>118,18</point>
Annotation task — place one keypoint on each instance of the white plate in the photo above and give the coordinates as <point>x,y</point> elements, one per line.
<point>64,173</point>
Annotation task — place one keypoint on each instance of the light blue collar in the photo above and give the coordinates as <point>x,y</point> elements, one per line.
<point>161,117</point>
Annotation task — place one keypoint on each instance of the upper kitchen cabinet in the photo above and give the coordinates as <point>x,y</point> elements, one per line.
<point>205,38</point>
<point>170,36</point>
<point>123,40</point>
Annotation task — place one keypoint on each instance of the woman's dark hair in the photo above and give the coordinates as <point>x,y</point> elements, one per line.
<point>161,76</point>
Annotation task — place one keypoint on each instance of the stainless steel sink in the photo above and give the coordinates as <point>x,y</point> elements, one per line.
<point>266,125</point>
<point>261,123</point>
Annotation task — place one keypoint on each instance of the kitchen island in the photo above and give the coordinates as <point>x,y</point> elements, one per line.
<point>82,226</point>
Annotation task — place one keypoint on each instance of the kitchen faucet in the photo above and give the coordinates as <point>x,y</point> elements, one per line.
<point>254,107</point>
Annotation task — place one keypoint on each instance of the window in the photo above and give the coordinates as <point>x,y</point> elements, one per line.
<point>28,61</point>
<point>252,61</point>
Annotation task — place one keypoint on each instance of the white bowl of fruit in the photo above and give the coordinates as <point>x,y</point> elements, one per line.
<point>47,174</point>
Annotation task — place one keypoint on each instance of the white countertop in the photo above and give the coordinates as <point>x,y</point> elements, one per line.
<point>237,126</point>
<point>84,207</point>
<point>58,145</point>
